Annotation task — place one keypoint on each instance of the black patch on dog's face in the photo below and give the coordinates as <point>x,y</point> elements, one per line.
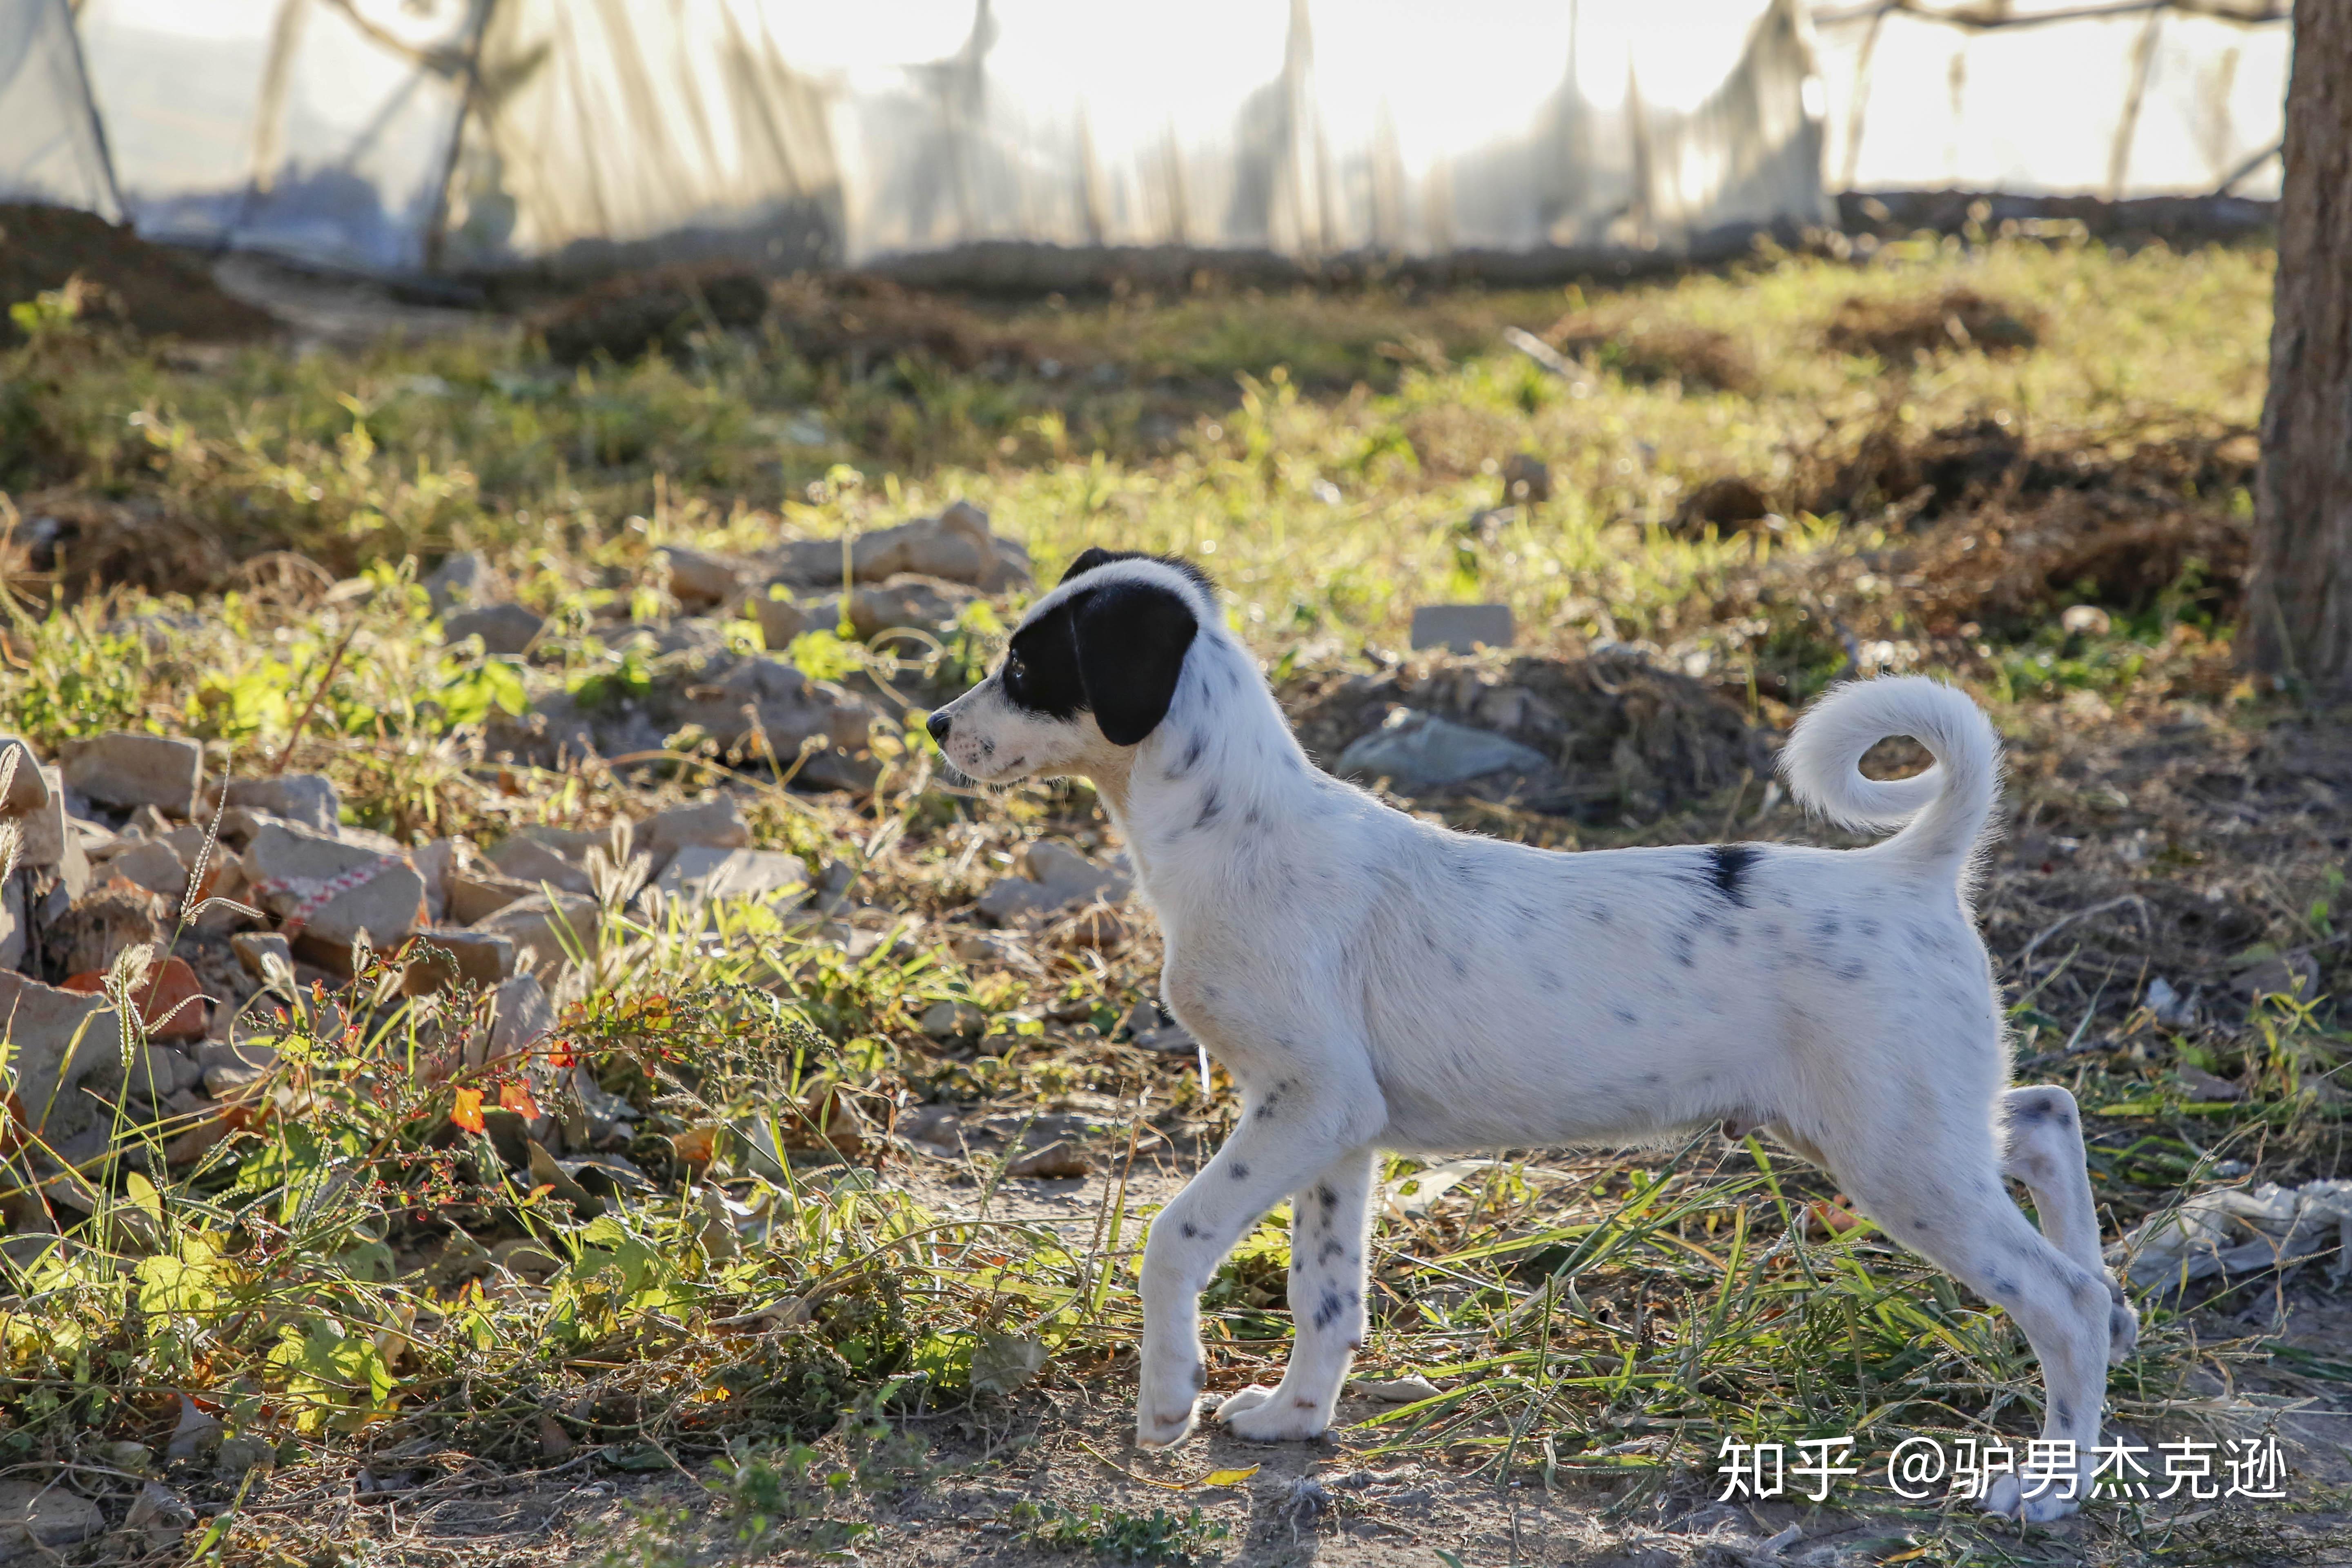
<point>1115,651</point>
<point>1095,555</point>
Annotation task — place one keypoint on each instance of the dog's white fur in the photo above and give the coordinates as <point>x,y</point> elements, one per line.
<point>1374,983</point>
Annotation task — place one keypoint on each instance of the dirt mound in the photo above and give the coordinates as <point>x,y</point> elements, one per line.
<point>1621,735</point>
<point>2010,572</point>
<point>1988,460</point>
<point>639,313</point>
<point>1698,358</point>
<point>85,542</point>
<point>857,320</point>
<point>1958,319</point>
<point>132,286</point>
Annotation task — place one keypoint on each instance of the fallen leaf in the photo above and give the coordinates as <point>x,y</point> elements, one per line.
<point>553,1440</point>
<point>515,1097</point>
<point>1227,1478</point>
<point>1004,1363</point>
<point>468,1113</point>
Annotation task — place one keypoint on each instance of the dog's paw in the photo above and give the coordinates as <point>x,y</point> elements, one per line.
<point>1163,1428</point>
<point>2123,1326</point>
<point>1265,1415</point>
<point>2006,1498</point>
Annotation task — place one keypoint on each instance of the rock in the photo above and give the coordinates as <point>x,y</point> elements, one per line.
<point>100,924</point>
<point>955,545</point>
<point>781,620</point>
<point>790,707</point>
<point>325,892</point>
<point>1729,502</point>
<point>1462,628</point>
<point>1526,478</point>
<point>158,1511</point>
<point>28,786</point>
<point>457,957</point>
<point>255,950</point>
<point>1151,1028</point>
<point>702,872</point>
<point>2232,1230</point>
<point>1415,752</point>
<point>929,603</point>
<point>2293,975</point>
<point>535,865</point>
<point>159,1072</point>
<point>457,582</point>
<point>129,770</point>
<point>1056,878</point>
<point>716,823</point>
<point>307,800</point>
<point>154,866</point>
<point>946,1021</point>
<point>2203,1086</point>
<point>38,1517</point>
<point>549,930</point>
<point>1055,1162</point>
<point>58,1040</point>
<point>505,629</point>
<point>471,897</point>
<point>434,862</point>
<point>1095,926</point>
<point>52,840</point>
<point>520,1016</point>
<point>170,1002</point>
<point>1404,1389</point>
<point>574,843</point>
<point>702,581</point>
<point>15,925</point>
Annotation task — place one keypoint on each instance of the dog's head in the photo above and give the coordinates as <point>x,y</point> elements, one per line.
<point>1089,674</point>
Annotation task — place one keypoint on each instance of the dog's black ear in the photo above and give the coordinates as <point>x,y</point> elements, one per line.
<point>1131,639</point>
<point>1092,556</point>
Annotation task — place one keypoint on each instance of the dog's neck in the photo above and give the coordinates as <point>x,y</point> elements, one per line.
<point>1222,764</point>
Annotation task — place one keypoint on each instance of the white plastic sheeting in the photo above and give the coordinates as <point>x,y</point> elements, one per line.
<point>51,149</point>
<point>398,136</point>
<point>2106,98</point>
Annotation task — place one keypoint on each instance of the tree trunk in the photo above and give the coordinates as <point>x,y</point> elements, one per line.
<point>2299,594</point>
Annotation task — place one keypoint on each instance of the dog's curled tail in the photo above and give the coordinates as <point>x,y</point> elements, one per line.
<point>1942,811</point>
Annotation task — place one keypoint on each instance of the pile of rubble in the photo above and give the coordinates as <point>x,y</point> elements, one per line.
<point>912,582</point>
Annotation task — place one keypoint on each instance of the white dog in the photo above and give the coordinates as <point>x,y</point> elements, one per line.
<point>1373,982</point>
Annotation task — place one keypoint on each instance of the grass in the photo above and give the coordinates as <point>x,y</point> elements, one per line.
<point>348,1265</point>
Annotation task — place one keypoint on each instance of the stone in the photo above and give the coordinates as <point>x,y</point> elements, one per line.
<point>700,580</point>
<point>307,800</point>
<point>53,841</point>
<point>255,950</point>
<point>100,924</point>
<point>505,629</point>
<point>548,931</point>
<point>704,872</point>
<point>472,957</point>
<point>471,897</point>
<point>28,786</point>
<point>325,892</point>
<point>434,862</point>
<point>1526,479</point>
<point>58,1040</point>
<point>16,924</point>
<point>2293,975</point>
<point>538,864</point>
<point>170,1002</point>
<point>927,603</point>
<point>154,866</point>
<point>1461,628</point>
<point>456,581</point>
<point>1416,751</point>
<point>789,706</point>
<point>955,545</point>
<point>520,1016</point>
<point>781,620</point>
<point>129,770</point>
<point>158,1072</point>
<point>716,823</point>
<point>574,843</point>
<point>947,1021</point>
<point>38,1517</point>
<point>1055,878</point>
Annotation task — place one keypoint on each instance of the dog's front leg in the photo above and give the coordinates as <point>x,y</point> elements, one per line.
<point>1266,1159</point>
<point>1328,1232</point>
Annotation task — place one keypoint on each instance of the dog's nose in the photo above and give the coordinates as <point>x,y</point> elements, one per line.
<point>939,725</point>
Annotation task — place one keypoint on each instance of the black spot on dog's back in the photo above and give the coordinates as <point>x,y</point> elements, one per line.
<point>1727,867</point>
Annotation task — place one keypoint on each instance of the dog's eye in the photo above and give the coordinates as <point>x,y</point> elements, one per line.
<point>1013,670</point>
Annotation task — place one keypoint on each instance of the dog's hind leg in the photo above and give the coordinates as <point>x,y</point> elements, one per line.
<point>2042,1147</point>
<point>1938,1190</point>
<point>1329,1229</point>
